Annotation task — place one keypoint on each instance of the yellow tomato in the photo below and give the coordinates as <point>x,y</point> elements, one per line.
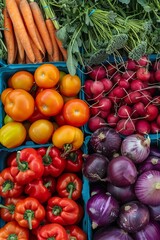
<point>12,134</point>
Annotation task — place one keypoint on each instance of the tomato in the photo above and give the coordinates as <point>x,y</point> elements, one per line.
<point>47,75</point>
<point>19,105</point>
<point>41,131</point>
<point>69,85</point>
<point>68,138</point>
<point>12,134</point>
<point>22,79</point>
<point>37,115</point>
<point>5,93</point>
<point>76,112</point>
<point>49,102</point>
<point>59,118</point>
<point>62,74</point>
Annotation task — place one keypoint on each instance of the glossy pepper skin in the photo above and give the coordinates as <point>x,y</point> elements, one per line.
<point>29,213</point>
<point>12,230</point>
<point>52,231</point>
<point>27,166</point>
<point>53,163</point>
<point>74,161</point>
<point>69,185</point>
<point>41,188</point>
<point>8,187</point>
<point>64,211</point>
<point>7,210</point>
<point>75,232</point>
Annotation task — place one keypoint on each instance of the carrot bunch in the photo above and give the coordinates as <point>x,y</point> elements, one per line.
<point>29,37</point>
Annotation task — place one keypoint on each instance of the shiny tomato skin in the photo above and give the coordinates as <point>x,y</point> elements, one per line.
<point>22,79</point>
<point>5,93</point>
<point>41,131</point>
<point>47,75</point>
<point>49,102</point>
<point>76,112</point>
<point>69,85</point>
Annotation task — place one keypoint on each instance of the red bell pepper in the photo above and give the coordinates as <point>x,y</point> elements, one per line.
<point>74,161</point>
<point>29,213</point>
<point>52,231</point>
<point>8,187</point>
<point>27,166</point>
<point>8,209</point>
<point>69,185</point>
<point>12,230</point>
<point>64,211</point>
<point>76,233</point>
<point>53,163</point>
<point>41,188</point>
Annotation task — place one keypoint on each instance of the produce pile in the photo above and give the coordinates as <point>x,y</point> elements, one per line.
<point>124,95</point>
<point>42,195</point>
<point>125,195</point>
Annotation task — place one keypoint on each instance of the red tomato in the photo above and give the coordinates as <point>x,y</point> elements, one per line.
<point>76,112</point>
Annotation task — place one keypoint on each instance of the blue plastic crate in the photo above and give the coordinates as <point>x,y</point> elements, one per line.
<point>7,71</point>
<point>154,137</point>
<point>85,224</point>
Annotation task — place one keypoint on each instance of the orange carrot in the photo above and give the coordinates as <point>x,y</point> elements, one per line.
<point>40,40</point>
<point>20,49</point>
<point>18,2</point>
<point>19,59</point>
<point>29,22</point>
<point>27,60</point>
<point>41,25</point>
<point>9,38</point>
<point>37,52</point>
<point>51,30</point>
<point>19,27</point>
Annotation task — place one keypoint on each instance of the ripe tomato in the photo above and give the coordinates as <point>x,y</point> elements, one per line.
<point>22,79</point>
<point>49,102</point>
<point>47,75</point>
<point>59,118</point>
<point>4,94</point>
<point>76,112</point>
<point>19,105</point>
<point>69,85</point>
<point>41,131</point>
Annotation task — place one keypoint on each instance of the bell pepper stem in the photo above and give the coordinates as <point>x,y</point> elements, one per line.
<point>72,238</point>
<point>3,206</point>
<point>12,237</point>
<point>56,210</point>
<point>67,149</point>
<point>71,188</point>
<point>47,158</point>
<point>29,215</point>
<point>8,185</point>
<point>23,166</point>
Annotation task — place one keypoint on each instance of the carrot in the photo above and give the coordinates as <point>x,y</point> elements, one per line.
<point>18,2</point>
<point>60,45</point>
<point>40,41</point>
<point>41,25</point>
<point>21,51</point>
<point>19,59</point>
<point>29,22</point>
<point>9,38</point>
<point>37,52</point>
<point>51,30</point>
<point>19,27</point>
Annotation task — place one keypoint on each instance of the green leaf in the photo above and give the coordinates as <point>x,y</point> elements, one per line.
<point>72,62</point>
<point>145,5</point>
<point>75,47</point>
<point>62,33</point>
<point>125,1</point>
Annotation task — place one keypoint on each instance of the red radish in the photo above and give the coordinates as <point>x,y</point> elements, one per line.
<point>156,100</point>
<point>117,77</point>
<point>125,127</point>
<point>111,69</point>
<point>95,123</point>
<point>143,126</point>
<point>128,75</point>
<point>87,88</point>
<point>139,109</point>
<point>156,65</point>
<point>136,84</point>
<point>143,74</point>
<point>145,97</point>
<point>151,112</point>
<point>143,61</point>
<point>94,110</point>
<point>132,97</point>
<point>154,127</point>
<point>124,111</point>
<point>105,104</point>
<point>97,72</point>
<point>158,120</point>
<point>112,119</point>
<point>107,83</point>
<point>103,114</point>
<point>97,88</point>
<point>124,84</point>
<point>152,77</point>
<point>131,65</point>
<point>119,92</point>
<point>157,75</point>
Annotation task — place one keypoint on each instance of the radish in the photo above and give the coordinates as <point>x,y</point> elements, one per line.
<point>103,114</point>
<point>139,109</point>
<point>132,97</point>
<point>157,75</point>
<point>142,126</point>
<point>125,127</point>
<point>111,69</point>
<point>119,92</point>
<point>124,111</point>
<point>128,75</point>
<point>156,65</point>
<point>105,104</point>
<point>87,88</point>
<point>158,120</point>
<point>97,88</point>
<point>97,72</point>
<point>112,119</point>
<point>151,112</point>
<point>143,61</point>
<point>107,83</point>
<point>145,97</point>
<point>143,74</point>
<point>95,123</point>
<point>124,84</point>
<point>131,65</point>
<point>117,77</point>
<point>152,77</point>
<point>94,110</point>
<point>136,84</point>
<point>154,127</point>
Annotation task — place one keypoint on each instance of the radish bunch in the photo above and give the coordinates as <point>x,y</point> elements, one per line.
<point>124,96</point>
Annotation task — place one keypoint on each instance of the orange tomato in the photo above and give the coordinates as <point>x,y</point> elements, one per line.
<point>22,79</point>
<point>19,105</point>
<point>47,75</point>
<point>5,93</point>
<point>41,131</point>
<point>49,102</point>
<point>69,85</point>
